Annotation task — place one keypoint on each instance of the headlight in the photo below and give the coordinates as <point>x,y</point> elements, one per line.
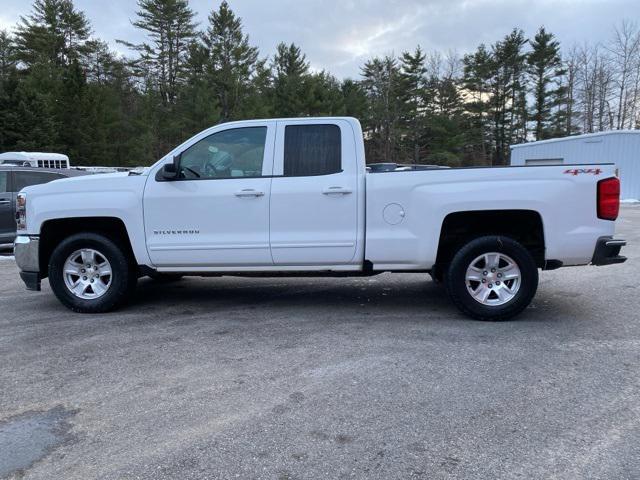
<point>21,211</point>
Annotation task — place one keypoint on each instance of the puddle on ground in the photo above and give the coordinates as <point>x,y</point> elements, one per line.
<point>27,438</point>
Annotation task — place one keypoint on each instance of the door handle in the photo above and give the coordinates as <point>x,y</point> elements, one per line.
<point>4,201</point>
<point>336,191</point>
<point>249,192</point>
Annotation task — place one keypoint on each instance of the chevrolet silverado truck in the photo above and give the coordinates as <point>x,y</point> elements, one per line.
<point>296,197</point>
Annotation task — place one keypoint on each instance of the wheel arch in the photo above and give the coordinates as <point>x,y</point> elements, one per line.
<point>459,228</point>
<point>54,231</point>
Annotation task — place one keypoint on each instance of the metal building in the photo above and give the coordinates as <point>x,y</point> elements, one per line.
<point>621,147</point>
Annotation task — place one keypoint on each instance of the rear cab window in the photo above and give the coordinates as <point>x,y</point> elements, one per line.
<point>311,150</point>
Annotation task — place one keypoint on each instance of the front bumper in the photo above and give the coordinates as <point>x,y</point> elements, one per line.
<point>26,250</point>
<point>607,251</point>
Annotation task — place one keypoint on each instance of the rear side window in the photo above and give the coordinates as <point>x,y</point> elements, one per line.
<point>312,150</point>
<point>25,179</point>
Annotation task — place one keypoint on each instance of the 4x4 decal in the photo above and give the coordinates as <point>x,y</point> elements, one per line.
<point>578,171</point>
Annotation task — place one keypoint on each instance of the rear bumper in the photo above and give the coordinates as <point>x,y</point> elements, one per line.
<point>26,250</point>
<point>607,251</point>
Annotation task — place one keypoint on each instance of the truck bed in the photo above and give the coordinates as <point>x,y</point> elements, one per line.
<point>410,206</point>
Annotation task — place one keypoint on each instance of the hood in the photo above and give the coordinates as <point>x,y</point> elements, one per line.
<point>89,183</point>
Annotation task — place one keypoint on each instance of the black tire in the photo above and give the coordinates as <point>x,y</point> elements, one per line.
<point>123,278</point>
<point>456,284</point>
<point>165,277</point>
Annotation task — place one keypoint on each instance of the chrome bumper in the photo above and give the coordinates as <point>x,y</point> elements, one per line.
<point>26,252</point>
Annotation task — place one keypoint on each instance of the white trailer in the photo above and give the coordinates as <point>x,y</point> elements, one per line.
<point>35,159</point>
<point>621,147</point>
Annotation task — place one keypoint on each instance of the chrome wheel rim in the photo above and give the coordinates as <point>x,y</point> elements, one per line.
<point>493,279</point>
<point>87,274</point>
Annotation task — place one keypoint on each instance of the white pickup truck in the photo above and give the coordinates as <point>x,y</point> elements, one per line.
<point>295,197</point>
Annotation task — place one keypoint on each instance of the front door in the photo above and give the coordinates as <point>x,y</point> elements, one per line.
<point>216,214</point>
<point>314,194</point>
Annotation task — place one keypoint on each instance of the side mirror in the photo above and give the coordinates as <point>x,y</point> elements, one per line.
<point>170,170</point>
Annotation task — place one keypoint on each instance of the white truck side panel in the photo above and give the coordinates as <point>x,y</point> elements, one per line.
<point>116,195</point>
<point>399,214</point>
<point>566,203</point>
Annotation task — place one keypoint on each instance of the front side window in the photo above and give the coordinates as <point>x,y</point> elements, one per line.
<point>25,179</point>
<point>312,150</point>
<point>232,153</point>
<point>4,177</point>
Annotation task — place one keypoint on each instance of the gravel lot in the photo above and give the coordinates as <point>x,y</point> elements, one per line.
<point>374,378</point>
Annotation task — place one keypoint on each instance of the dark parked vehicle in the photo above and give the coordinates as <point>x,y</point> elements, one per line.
<point>15,178</point>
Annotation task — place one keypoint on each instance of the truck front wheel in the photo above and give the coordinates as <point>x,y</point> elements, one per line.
<point>492,278</point>
<point>89,273</point>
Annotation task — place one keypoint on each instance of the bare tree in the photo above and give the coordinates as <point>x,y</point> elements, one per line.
<point>594,87</point>
<point>623,50</point>
<point>572,64</point>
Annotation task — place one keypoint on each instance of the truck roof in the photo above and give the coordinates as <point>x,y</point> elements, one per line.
<point>289,119</point>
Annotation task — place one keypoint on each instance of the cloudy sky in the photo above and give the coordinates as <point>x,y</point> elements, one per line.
<point>338,35</point>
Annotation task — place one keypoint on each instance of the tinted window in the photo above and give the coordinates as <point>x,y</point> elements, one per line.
<point>24,179</point>
<point>312,150</point>
<point>4,177</point>
<point>228,154</point>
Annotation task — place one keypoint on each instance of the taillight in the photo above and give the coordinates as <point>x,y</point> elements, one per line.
<point>608,198</point>
<point>21,211</point>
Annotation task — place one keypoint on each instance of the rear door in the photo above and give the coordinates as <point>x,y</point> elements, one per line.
<point>7,218</point>
<point>314,210</point>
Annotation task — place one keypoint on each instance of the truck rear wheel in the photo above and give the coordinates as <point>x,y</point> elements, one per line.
<point>492,278</point>
<point>89,273</point>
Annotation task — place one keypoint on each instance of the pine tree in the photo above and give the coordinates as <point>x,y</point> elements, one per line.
<point>34,123</point>
<point>290,73</point>
<point>260,101</point>
<point>476,82</point>
<point>55,33</point>
<point>9,133</point>
<point>412,77</point>
<point>52,47</point>
<point>354,98</point>
<point>71,113</point>
<point>7,56</point>
<point>170,28</point>
<point>324,95</point>
<point>508,93</point>
<point>196,106</point>
<point>545,69</point>
<point>383,85</point>
<point>231,62</point>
